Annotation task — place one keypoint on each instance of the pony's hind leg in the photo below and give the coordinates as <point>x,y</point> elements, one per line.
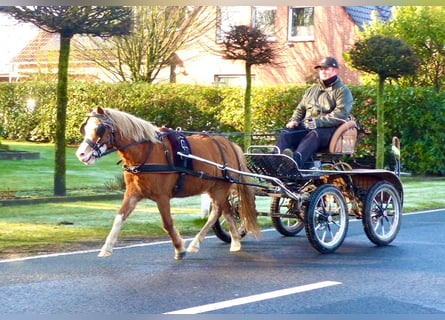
<point>167,224</point>
<point>235,236</point>
<point>125,210</point>
<point>217,209</point>
<point>214,214</point>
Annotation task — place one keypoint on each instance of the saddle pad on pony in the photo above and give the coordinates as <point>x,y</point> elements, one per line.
<point>179,143</point>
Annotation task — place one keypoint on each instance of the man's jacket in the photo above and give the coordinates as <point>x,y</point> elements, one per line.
<point>328,106</point>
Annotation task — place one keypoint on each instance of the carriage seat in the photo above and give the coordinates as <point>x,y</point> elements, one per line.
<point>344,139</point>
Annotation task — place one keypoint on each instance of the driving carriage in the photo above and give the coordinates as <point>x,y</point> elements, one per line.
<point>161,163</point>
<point>321,200</point>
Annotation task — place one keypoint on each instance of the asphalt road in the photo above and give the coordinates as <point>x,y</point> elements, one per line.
<point>272,275</point>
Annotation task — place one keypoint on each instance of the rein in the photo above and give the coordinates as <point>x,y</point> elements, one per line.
<point>183,149</point>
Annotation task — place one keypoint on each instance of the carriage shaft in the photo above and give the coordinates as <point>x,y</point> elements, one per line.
<point>272,180</point>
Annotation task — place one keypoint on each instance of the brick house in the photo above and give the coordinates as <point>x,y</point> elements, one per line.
<point>303,34</point>
<point>40,57</point>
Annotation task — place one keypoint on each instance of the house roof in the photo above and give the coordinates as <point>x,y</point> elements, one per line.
<point>30,52</point>
<point>362,15</point>
<point>46,42</point>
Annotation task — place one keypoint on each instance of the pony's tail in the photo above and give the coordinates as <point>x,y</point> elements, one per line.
<point>246,207</point>
<point>246,199</point>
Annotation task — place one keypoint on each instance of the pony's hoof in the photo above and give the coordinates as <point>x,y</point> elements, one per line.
<point>103,254</point>
<point>192,249</point>
<point>180,255</point>
<point>235,248</point>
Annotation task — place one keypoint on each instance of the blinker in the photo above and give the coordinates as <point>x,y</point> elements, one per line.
<point>100,130</point>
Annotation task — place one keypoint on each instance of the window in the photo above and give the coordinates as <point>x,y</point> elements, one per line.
<point>227,18</point>
<point>264,19</point>
<point>301,23</point>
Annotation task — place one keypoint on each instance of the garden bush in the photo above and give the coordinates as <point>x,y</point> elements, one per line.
<point>415,115</point>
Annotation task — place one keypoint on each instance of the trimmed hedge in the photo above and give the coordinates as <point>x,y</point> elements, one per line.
<point>416,115</point>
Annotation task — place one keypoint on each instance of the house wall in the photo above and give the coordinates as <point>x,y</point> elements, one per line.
<point>200,61</point>
<point>334,33</point>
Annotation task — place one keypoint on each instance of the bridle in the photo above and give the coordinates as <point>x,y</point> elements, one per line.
<point>104,124</point>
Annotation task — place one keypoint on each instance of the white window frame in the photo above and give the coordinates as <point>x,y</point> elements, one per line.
<point>304,32</point>
<point>269,29</point>
<point>228,17</point>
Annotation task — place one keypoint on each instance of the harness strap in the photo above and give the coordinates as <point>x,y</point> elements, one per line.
<point>178,142</point>
<point>176,163</point>
<point>182,168</point>
<point>165,168</point>
<point>225,172</point>
<point>236,155</point>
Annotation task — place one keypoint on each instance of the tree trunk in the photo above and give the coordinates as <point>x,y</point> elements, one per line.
<point>380,152</point>
<point>62,99</point>
<point>247,108</point>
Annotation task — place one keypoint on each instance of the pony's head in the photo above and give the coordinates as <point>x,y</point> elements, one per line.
<point>108,130</point>
<point>98,135</point>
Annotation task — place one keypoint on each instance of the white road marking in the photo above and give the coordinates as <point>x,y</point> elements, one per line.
<point>420,212</point>
<point>255,298</point>
<point>50,255</point>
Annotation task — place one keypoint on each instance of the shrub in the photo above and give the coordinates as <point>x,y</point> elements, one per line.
<point>415,115</point>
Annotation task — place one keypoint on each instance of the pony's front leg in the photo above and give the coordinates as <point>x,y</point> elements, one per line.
<point>126,208</point>
<point>167,224</point>
<point>107,248</point>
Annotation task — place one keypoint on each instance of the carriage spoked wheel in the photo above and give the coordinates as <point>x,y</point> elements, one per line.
<point>288,226</point>
<point>382,213</point>
<point>220,228</point>
<point>326,218</point>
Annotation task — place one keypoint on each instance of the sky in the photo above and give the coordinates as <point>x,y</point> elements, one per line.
<point>14,35</point>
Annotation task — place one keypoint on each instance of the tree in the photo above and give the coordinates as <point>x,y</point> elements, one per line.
<point>250,45</point>
<point>158,33</point>
<point>68,21</point>
<point>387,57</point>
<point>423,29</point>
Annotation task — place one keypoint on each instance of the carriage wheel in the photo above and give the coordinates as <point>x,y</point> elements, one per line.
<point>326,218</point>
<point>221,228</point>
<point>382,213</point>
<point>286,226</point>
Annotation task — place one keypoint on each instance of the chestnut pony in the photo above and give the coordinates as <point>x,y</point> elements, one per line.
<point>138,142</point>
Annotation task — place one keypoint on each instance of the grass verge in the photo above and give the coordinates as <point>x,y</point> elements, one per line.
<point>34,178</point>
<point>56,227</point>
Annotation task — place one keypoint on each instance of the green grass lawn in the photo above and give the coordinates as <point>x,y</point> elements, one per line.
<point>35,176</point>
<point>53,227</point>
<point>423,193</point>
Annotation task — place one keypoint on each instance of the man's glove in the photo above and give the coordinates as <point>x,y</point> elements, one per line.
<point>310,124</point>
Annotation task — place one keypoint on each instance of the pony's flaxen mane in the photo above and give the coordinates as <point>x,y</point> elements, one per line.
<point>132,127</point>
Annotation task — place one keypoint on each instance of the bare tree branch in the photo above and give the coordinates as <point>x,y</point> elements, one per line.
<point>159,32</point>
